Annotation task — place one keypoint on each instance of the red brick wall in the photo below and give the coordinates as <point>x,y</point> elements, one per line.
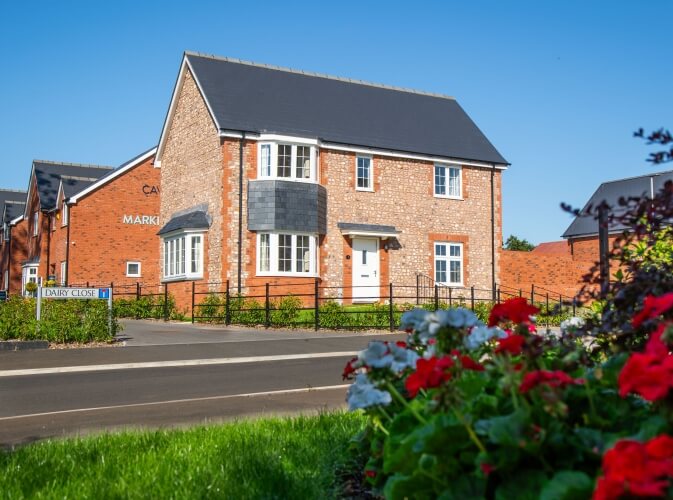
<point>17,253</point>
<point>100,242</point>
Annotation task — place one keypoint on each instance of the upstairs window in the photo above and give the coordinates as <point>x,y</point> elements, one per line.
<point>287,161</point>
<point>64,214</point>
<point>448,181</point>
<point>35,221</point>
<point>363,174</point>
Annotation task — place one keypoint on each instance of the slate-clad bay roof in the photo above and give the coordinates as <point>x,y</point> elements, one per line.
<point>192,220</point>
<point>73,185</point>
<point>9,201</point>
<point>262,99</point>
<point>48,177</point>
<point>14,209</point>
<point>610,192</point>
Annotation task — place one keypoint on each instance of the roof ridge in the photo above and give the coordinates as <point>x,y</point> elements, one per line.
<point>12,191</point>
<point>14,202</point>
<point>69,164</point>
<point>653,174</point>
<point>319,75</point>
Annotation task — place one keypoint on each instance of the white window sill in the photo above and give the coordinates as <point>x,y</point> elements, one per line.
<point>287,275</point>
<point>450,285</point>
<point>447,197</point>
<point>370,190</point>
<point>133,276</point>
<point>182,277</point>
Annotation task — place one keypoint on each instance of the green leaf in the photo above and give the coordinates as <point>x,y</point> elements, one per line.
<point>524,485</point>
<point>567,485</point>
<point>400,487</point>
<point>505,430</point>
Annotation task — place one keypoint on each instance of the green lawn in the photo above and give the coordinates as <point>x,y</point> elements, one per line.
<point>300,457</point>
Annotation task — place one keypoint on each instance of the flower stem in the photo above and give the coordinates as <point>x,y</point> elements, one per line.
<point>470,432</point>
<point>404,402</point>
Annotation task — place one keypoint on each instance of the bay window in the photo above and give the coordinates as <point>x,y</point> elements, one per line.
<point>183,256</point>
<point>280,160</point>
<point>286,254</point>
<point>449,263</point>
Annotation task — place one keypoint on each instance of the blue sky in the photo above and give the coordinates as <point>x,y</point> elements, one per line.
<point>558,87</point>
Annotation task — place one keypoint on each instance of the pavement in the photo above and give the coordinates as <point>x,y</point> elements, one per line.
<point>170,374</point>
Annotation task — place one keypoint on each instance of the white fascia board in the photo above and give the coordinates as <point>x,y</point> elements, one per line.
<point>396,154</point>
<point>171,108</point>
<point>14,222</point>
<point>31,183</point>
<point>75,198</point>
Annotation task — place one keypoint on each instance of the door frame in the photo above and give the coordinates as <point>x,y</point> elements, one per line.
<point>375,295</point>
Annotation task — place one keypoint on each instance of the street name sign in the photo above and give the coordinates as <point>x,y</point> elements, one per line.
<point>59,292</point>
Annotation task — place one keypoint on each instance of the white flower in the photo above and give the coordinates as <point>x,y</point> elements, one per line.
<point>377,355</point>
<point>572,324</point>
<point>402,358</point>
<point>363,394</point>
<point>481,334</point>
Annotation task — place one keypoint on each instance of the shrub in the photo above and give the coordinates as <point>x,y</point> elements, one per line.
<point>62,321</point>
<point>146,307</point>
<point>286,311</point>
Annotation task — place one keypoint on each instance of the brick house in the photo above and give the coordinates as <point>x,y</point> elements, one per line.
<point>12,241</point>
<point>280,176</point>
<point>104,230</point>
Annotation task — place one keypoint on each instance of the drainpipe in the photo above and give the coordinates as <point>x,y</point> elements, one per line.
<point>67,247</point>
<point>49,222</point>
<point>9,260</point>
<point>493,283</point>
<point>240,209</point>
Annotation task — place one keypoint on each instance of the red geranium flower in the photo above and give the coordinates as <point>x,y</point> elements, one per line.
<point>649,375</point>
<point>349,369</point>
<point>556,378</point>
<point>469,364</point>
<point>516,310</point>
<point>655,345</point>
<point>486,468</point>
<point>429,373</point>
<point>512,344</point>
<point>653,307</point>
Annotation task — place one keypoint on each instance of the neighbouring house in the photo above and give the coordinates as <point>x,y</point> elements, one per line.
<point>271,175</point>
<point>12,242</point>
<point>104,230</point>
<point>562,265</point>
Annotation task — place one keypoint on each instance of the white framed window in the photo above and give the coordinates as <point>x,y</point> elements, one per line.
<point>5,232</point>
<point>64,214</point>
<point>133,269</point>
<point>287,161</point>
<point>448,181</point>
<point>182,256</point>
<point>449,263</point>
<point>363,173</point>
<point>6,281</point>
<point>64,267</point>
<point>35,221</point>
<point>285,254</point>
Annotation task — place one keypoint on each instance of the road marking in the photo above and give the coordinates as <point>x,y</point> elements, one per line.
<point>176,363</point>
<point>189,400</point>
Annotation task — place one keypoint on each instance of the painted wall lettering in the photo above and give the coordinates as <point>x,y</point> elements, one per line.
<point>147,220</point>
<point>148,190</point>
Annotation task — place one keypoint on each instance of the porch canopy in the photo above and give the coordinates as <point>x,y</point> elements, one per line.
<point>375,230</point>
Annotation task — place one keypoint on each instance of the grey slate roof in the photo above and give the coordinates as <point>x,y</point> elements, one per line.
<point>73,185</point>
<point>8,196</point>
<point>192,220</point>
<point>13,209</point>
<point>368,228</point>
<point>48,176</point>
<point>610,192</point>
<point>262,99</point>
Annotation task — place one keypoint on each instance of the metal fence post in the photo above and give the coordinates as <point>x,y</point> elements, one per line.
<point>472,297</point>
<point>316,305</point>
<point>418,291</point>
<point>165,301</point>
<point>560,303</point>
<point>391,316</point>
<point>574,305</point>
<point>498,295</point>
<point>227,307</point>
<point>436,297</point>
<point>532,294</point>
<point>520,293</point>
<point>267,307</point>
<point>137,290</point>
<point>193,293</point>
<point>547,302</point>
<point>450,298</point>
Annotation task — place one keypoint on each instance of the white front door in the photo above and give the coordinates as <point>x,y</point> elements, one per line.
<point>29,275</point>
<point>365,270</point>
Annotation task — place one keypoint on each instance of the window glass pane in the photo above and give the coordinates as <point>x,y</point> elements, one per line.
<point>363,172</point>
<point>440,271</point>
<point>454,268</point>
<point>440,180</point>
<point>196,254</point>
<point>171,259</point>
<point>132,268</point>
<point>182,255</point>
<point>455,250</point>
<point>284,160</point>
<point>454,181</point>
<point>266,160</point>
<point>264,252</point>
<point>284,253</point>
<point>440,250</point>
<point>303,170</point>
<point>303,261</point>
<point>166,270</point>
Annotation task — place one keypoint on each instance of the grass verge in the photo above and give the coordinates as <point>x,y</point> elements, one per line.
<point>298,457</point>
